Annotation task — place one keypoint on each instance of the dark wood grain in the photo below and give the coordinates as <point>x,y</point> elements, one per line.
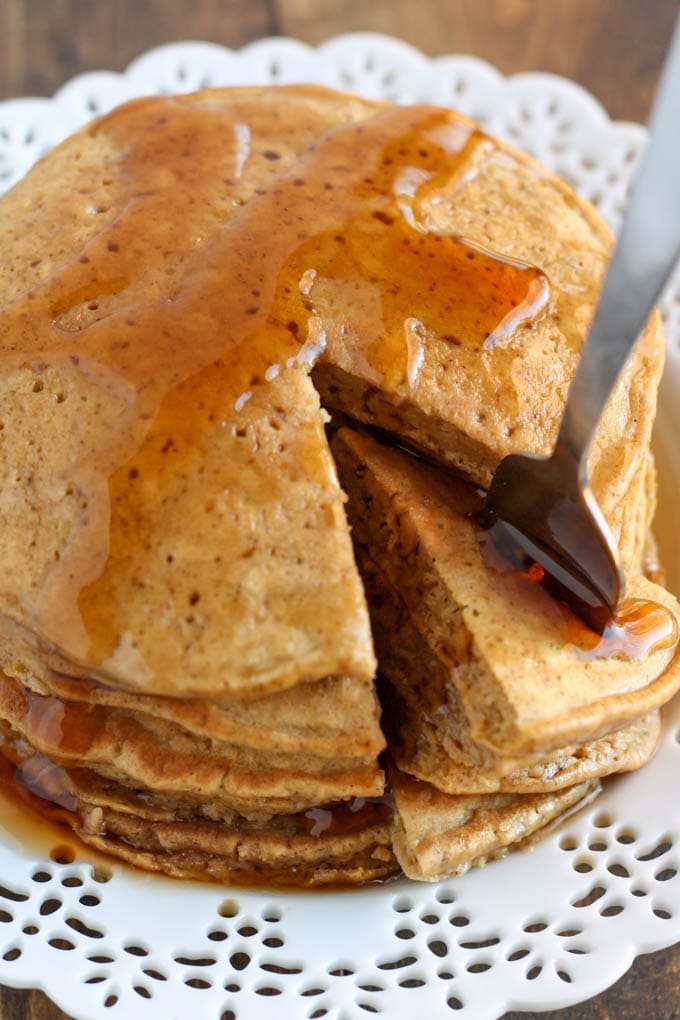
<point>45,42</point>
<point>613,47</point>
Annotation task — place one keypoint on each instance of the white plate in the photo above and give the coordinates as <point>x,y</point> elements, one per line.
<point>534,931</point>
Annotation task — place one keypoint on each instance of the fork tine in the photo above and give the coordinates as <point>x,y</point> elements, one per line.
<point>537,512</point>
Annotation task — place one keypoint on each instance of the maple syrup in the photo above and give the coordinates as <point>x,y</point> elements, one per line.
<point>252,282</point>
<point>34,824</point>
<point>637,629</point>
<point>347,818</point>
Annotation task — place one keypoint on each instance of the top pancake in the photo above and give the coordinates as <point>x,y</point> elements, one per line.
<point>171,518</point>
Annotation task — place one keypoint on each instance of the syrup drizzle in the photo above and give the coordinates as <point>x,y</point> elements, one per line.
<point>43,778</point>
<point>638,628</point>
<point>196,292</point>
<point>353,816</point>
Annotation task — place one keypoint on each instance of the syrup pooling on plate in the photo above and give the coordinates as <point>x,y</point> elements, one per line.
<point>195,294</point>
<point>638,628</point>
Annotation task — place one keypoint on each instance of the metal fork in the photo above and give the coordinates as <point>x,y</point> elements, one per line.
<point>545,506</point>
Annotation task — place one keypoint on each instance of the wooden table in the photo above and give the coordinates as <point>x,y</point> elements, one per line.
<point>613,47</point>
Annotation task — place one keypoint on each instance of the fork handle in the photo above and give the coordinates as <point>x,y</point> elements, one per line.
<point>647,249</point>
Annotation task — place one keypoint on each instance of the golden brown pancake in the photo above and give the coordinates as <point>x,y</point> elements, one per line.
<point>169,508</point>
<point>171,527</point>
<point>436,835</point>
<point>329,845</point>
<point>530,679</point>
<point>150,753</point>
<point>333,718</point>
<point>428,731</point>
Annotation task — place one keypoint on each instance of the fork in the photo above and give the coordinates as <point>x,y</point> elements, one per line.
<point>544,508</point>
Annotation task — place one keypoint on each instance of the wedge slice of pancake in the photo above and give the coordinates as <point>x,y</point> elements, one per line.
<point>436,835</point>
<point>466,402</point>
<point>529,680</point>
<point>170,510</point>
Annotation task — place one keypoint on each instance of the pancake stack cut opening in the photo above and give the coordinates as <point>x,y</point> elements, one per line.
<point>231,647</point>
<point>498,714</point>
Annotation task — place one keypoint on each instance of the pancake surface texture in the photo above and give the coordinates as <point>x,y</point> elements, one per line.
<point>190,286</point>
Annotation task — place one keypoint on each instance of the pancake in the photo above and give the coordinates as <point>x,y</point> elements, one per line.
<point>426,758</point>
<point>148,753</point>
<point>465,402</point>
<point>530,678</point>
<point>334,717</point>
<point>323,846</point>
<point>172,526</point>
<point>436,835</point>
<point>156,418</point>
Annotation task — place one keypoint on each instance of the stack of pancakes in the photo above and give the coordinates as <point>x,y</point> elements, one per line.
<point>188,638</point>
